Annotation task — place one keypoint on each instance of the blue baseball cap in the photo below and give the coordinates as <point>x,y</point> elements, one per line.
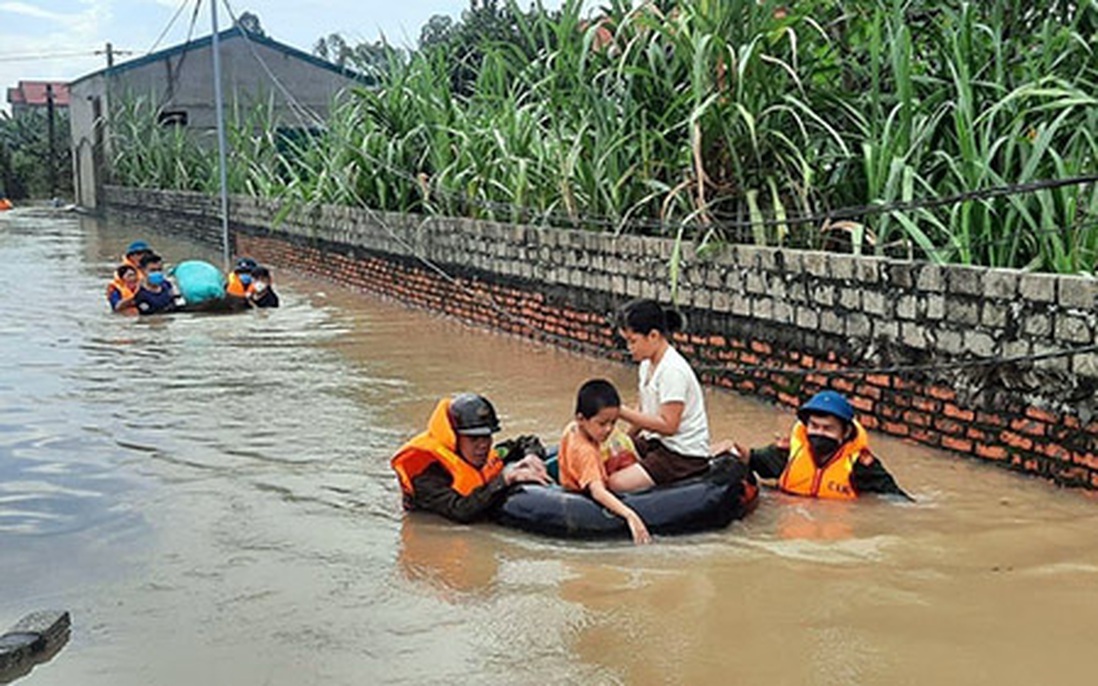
<point>827,402</point>
<point>138,246</point>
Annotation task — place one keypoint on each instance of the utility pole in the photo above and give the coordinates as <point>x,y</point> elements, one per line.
<point>51,162</point>
<point>110,55</point>
<point>221,145</point>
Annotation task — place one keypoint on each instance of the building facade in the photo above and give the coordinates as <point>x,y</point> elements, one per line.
<point>29,96</point>
<point>179,82</point>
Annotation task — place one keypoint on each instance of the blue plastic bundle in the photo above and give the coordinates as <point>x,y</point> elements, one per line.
<point>199,281</point>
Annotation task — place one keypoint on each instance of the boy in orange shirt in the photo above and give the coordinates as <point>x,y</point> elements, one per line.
<point>581,464</point>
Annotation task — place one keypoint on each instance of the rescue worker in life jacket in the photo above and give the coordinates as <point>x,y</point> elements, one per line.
<point>451,469</point>
<point>122,290</point>
<point>827,455</point>
<point>240,282</point>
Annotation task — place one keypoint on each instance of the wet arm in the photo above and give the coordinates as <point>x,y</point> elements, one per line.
<point>604,497</point>
<point>666,423</point>
<point>768,462</point>
<point>118,301</point>
<point>434,494</point>
<point>870,476</point>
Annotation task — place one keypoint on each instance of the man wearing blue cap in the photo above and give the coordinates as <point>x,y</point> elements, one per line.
<point>134,253</point>
<point>827,455</point>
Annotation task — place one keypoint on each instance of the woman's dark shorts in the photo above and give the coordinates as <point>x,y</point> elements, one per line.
<point>665,465</point>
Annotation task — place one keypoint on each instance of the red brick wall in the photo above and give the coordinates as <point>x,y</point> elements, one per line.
<point>1024,438</point>
<point>775,323</point>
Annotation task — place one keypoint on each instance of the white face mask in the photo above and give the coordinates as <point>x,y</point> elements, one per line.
<point>260,286</point>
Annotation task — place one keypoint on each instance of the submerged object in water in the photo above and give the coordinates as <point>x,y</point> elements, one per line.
<point>34,639</point>
<point>199,282</point>
<point>726,492</point>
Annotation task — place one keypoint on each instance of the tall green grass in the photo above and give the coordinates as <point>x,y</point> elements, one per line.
<point>718,120</point>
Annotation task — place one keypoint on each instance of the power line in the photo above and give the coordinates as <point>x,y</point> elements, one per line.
<point>29,57</point>
<point>842,213</point>
<point>173,78</point>
<point>302,112</point>
<point>171,23</point>
<point>671,228</point>
<point>570,343</point>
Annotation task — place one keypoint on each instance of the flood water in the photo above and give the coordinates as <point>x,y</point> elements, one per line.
<point>210,497</point>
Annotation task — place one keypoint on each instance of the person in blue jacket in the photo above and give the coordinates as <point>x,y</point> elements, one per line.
<point>155,295</point>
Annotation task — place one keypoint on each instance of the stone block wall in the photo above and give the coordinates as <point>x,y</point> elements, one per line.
<point>972,360</point>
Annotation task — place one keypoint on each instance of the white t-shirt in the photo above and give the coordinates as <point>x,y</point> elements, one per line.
<point>674,381</point>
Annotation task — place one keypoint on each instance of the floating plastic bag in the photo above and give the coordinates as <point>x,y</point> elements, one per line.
<point>199,281</point>
<point>618,452</point>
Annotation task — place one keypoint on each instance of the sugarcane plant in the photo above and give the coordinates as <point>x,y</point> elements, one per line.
<point>713,121</point>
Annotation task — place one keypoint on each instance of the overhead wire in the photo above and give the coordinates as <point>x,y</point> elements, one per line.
<point>171,23</point>
<point>815,218</point>
<point>672,228</point>
<point>174,75</point>
<point>29,57</point>
<point>309,119</point>
<point>527,214</point>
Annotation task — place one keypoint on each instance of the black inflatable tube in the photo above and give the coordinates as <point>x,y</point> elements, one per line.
<point>727,492</point>
<point>226,305</point>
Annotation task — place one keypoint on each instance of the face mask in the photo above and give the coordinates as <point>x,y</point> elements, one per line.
<point>245,279</point>
<point>823,447</point>
<point>156,279</point>
<point>260,286</point>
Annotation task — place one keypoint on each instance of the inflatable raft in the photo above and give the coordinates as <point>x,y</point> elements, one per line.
<point>727,492</point>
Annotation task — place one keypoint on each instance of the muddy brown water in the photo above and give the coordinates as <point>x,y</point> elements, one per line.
<point>210,497</point>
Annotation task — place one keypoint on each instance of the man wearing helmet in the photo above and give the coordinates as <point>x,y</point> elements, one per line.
<point>827,455</point>
<point>451,468</point>
<point>135,251</point>
<point>240,278</point>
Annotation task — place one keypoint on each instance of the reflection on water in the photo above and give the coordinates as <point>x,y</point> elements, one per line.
<point>210,496</point>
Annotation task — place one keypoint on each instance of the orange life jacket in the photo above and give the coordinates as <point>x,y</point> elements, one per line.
<point>135,263</point>
<point>438,445</point>
<point>802,477</point>
<point>236,286</point>
<point>119,286</point>
<point>5,204</point>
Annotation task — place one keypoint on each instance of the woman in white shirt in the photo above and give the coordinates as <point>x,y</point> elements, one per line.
<point>671,428</point>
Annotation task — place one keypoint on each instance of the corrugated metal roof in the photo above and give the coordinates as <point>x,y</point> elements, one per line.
<point>228,34</point>
<point>33,93</point>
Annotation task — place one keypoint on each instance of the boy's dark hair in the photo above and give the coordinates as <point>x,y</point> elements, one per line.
<point>121,271</point>
<point>644,316</point>
<point>261,272</point>
<point>595,396</point>
<point>149,259</point>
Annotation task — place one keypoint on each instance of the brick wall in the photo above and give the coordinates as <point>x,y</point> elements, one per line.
<point>781,324</point>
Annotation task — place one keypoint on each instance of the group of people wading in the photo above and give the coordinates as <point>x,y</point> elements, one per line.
<point>141,286</point>
<point>452,469</point>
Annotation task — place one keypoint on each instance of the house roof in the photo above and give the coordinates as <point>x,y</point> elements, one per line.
<point>226,35</point>
<point>33,93</point>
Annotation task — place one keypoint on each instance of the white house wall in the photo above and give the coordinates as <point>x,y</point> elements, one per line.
<point>183,82</point>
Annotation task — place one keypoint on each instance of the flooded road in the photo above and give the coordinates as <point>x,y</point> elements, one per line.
<point>210,497</point>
